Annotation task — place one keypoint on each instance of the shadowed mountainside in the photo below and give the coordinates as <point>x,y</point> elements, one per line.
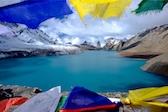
<point>151,42</point>
<point>152,45</point>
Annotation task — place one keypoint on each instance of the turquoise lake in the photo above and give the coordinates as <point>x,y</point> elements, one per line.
<point>99,71</point>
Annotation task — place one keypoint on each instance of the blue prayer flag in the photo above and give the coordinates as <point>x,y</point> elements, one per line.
<point>33,12</point>
<point>83,100</point>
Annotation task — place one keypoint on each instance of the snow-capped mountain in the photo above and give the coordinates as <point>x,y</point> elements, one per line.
<point>114,44</point>
<point>16,37</point>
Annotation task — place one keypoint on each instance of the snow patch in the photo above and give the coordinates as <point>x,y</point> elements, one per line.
<point>6,31</point>
<point>2,55</point>
<point>63,47</point>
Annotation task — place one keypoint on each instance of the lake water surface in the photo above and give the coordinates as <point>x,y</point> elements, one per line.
<point>99,71</point>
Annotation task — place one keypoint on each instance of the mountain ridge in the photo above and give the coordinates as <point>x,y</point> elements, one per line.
<point>25,42</point>
<point>152,45</point>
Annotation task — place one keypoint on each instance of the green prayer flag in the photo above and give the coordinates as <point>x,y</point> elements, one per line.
<point>149,5</point>
<point>61,103</point>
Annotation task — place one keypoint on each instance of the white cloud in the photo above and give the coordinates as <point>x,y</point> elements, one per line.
<point>128,24</point>
<point>8,2</point>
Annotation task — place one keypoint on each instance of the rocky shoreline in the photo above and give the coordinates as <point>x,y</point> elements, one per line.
<point>29,92</point>
<point>157,65</point>
<point>142,55</point>
<point>35,52</point>
<point>19,91</point>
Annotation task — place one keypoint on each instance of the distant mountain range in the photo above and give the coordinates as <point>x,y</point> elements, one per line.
<point>18,41</point>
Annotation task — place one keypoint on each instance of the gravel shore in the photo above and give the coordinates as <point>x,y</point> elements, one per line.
<point>29,92</point>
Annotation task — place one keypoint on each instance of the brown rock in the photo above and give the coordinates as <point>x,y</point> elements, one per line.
<point>37,90</point>
<point>150,43</point>
<point>141,55</point>
<point>158,65</point>
<point>20,91</point>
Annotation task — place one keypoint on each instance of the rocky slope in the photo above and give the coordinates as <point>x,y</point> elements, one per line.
<point>151,44</point>
<point>148,44</point>
<point>113,44</point>
<point>158,65</point>
<point>89,46</point>
<point>18,41</point>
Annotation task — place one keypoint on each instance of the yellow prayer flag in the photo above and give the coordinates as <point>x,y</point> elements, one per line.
<point>148,97</point>
<point>79,2</point>
<point>101,8</point>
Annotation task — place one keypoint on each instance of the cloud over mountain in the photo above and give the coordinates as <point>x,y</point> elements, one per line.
<point>128,24</point>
